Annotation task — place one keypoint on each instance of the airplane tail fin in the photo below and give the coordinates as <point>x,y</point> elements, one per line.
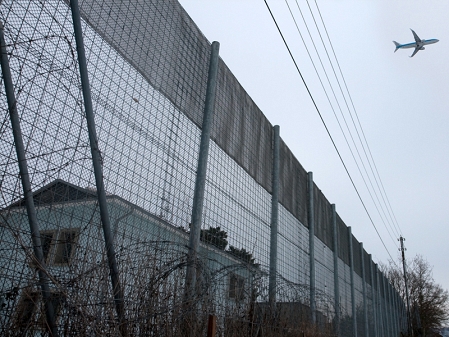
<point>397,45</point>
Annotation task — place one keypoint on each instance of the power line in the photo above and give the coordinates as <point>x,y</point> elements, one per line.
<point>341,112</point>
<point>385,221</point>
<point>325,126</point>
<point>388,221</point>
<point>381,188</point>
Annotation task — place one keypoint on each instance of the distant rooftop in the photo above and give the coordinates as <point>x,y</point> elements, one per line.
<point>58,191</point>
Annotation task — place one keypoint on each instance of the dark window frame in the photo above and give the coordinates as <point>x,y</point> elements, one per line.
<point>30,311</point>
<point>65,246</point>
<point>58,246</point>
<point>236,287</point>
<point>26,309</point>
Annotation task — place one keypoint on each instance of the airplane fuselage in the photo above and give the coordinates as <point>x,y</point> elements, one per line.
<point>415,44</point>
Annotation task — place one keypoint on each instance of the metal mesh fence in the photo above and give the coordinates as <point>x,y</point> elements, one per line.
<point>148,68</point>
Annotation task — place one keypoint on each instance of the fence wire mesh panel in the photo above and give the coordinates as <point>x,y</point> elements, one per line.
<point>148,67</point>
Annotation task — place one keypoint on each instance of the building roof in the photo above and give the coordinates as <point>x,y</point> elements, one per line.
<point>58,191</point>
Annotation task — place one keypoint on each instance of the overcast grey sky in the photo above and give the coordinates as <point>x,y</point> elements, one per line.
<point>401,102</point>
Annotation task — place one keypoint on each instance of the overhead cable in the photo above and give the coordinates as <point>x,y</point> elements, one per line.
<point>382,188</point>
<point>325,126</point>
<point>344,118</point>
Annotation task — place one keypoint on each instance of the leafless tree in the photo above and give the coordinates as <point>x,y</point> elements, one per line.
<point>429,302</point>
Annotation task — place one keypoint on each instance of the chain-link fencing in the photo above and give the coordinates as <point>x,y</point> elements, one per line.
<point>96,226</point>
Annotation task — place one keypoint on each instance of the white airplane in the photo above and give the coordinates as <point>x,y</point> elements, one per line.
<point>418,44</point>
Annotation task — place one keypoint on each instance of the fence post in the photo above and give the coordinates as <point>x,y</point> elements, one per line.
<point>200,180</point>
<point>395,312</point>
<point>98,169</point>
<point>399,308</point>
<point>402,319</point>
<point>392,320</point>
<point>382,305</point>
<point>373,294</point>
<point>274,217</point>
<point>390,306</point>
<point>336,278</point>
<point>398,312</point>
<point>379,304</point>
<point>365,306</point>
<point>385,309</point>
<point>311,222</point>
<point>351,265</point>
<point>387,306</point>
<point>26,185</point>
<point>404,315</point>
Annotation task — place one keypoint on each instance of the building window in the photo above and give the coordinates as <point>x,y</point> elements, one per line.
<point>46,242</point>
<point>236,287</point>
<point>30,313</point>
<point>56,298</point>
<point>65,246</point>
<point>26,309</point>
<point>58,247</point>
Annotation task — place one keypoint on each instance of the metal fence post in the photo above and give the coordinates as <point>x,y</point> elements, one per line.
<point>387,306</point>
<point>200,181</point>
<point>311,221</point>
<point>379,304</point>
<point>26,185</point>
<point>392,320</point>
<point>395,312</point>
<point>98,169</point>
<point>401,314</point>
<point>404,316</point>
<point>373,295</point>
<point>336,277</point>
<point>390,305</point>
<point>351,265</point>
<point>365,306</point>
<point>398,312</point>
<point>274,217</point>
<point>384,308</point>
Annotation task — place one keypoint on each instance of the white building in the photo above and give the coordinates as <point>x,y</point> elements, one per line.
<point>151,256</point>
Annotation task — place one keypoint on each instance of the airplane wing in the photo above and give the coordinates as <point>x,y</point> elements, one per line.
<point>415,51</point>
<point>417,39</point>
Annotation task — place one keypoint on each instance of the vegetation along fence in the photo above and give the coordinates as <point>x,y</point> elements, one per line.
<point>143,190</point>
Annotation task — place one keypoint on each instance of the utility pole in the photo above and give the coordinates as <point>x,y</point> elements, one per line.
<point>409,321</point>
